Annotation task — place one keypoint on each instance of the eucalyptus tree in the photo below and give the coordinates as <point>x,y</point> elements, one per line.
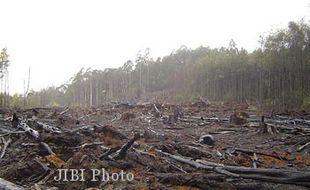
<point>4,63</point>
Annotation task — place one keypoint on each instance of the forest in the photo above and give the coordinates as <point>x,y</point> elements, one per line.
<point>274,76</point>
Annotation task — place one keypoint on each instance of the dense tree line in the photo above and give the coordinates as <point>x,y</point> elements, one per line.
<point>276,74</point>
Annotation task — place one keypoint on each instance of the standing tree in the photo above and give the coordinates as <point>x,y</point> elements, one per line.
<point>26,88</point>
<point>4,63</point>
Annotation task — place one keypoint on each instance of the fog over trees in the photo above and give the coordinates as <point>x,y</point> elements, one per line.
<point>275,75</point>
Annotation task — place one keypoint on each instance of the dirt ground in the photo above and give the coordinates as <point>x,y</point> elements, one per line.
<point>190,146</point>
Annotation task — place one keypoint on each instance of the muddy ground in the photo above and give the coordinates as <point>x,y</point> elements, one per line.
<point>164,146</point>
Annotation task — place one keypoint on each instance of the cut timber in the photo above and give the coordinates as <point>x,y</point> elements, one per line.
<point>6,185</point>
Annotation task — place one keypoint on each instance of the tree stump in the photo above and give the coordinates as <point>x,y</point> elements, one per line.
<point>239,118</point>
<point>265,128</point>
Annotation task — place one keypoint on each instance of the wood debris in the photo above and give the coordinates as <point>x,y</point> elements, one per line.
<point>199,145</point>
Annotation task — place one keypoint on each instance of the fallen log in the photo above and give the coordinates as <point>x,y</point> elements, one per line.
<point>6,144</point>
<point>22,125</point>
<point>175,166</point>
<point>186,161</point>
<point>48,128</point>
<point>12,132</point>
<point>266,174</point>
<point>45,168</point>
<point>295,122</point>
<point>200,180</point>
<point>151,134</point>
<point>38,108</point>
<point>220,132</point>
<point>33,133</point>
<point>247,151</point>
<point>85,116</point>
<point>92,144</point>
<point>186,118</point>
<point>121,154</point>
<point>65,111</point>
<point>81,128</point>
<point>6,185</point>
<point>272,175</point>
<point>109,152</point>
<point>289,120</point>
<point>261,186</point>
<point>303,146</point>
<point>187,150</point>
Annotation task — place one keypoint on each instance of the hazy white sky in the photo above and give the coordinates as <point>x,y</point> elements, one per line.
<point>58,37</point>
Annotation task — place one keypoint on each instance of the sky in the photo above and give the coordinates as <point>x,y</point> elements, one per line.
<point>56,38</point>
